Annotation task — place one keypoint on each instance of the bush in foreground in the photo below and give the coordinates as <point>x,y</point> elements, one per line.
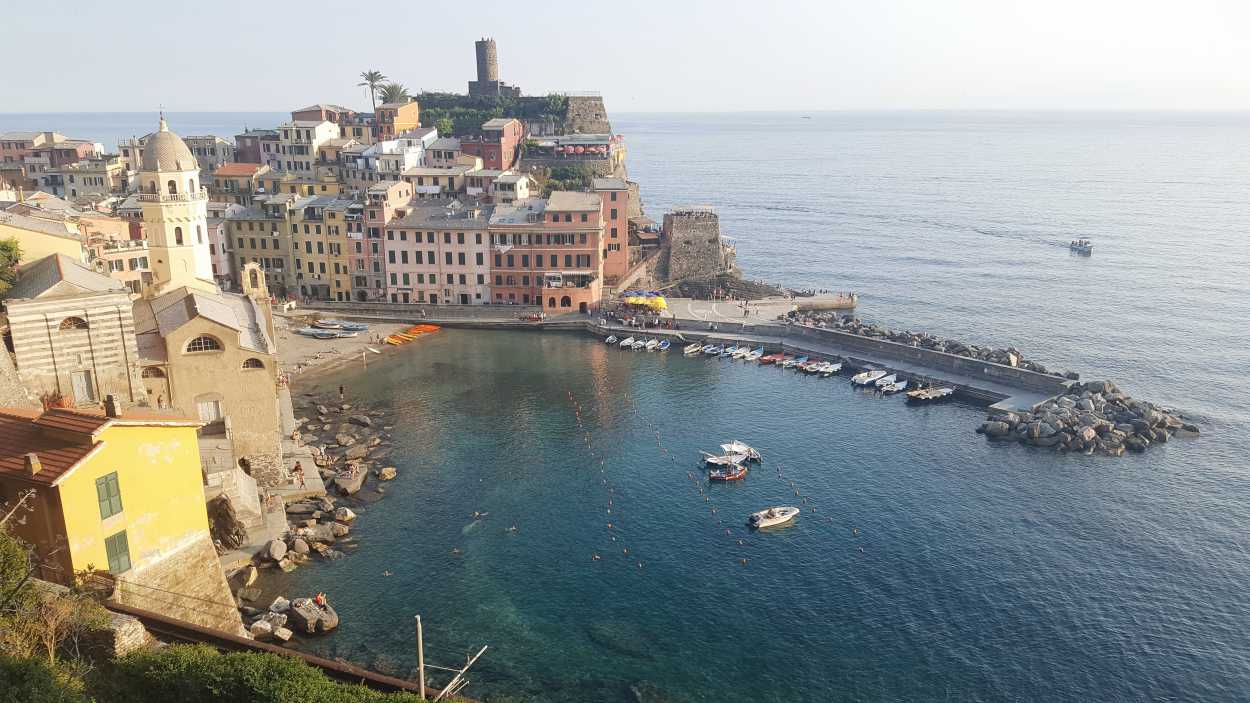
<point>33,680</point>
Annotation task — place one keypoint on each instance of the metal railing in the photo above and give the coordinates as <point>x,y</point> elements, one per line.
<point>173,197</point>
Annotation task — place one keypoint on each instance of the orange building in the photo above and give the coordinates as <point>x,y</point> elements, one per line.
<point>614,194</point>
<point>392,119</point>
<point>548,252</point>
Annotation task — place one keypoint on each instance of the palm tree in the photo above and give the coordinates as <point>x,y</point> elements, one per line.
<point>393,93</point>
<point>372,79</point>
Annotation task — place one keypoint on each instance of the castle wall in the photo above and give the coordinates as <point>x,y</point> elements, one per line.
<point>695,249</point>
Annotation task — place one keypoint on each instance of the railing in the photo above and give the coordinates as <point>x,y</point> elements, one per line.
<point>201,194</point>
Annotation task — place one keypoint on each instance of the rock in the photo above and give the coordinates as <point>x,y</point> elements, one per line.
<point>344,515</point>
<point>299,546</point>
<point>279,605</point>
<point>387,473</point>
<point>287,565</point>
<point>301,508</point>
<point>246,576</point>
<point>318,534</point>
<point>261,630</point>
<point>250,612</point>
<point>344,440</point>
<point>338,529</point>
<point>356,452</point>
<point>1187,432</point>
<point>1087,434</point>
<point>282,634</point>
<point>249,594</point>
<point>275,620</point>
<point>345,406</point>
<point>362,420</point>
<point>1049,441</point>
<point>350,482</point>
<point>275,550</point>
<point>310,619</point>
<point>1086,404</point>
<point>323,410</point>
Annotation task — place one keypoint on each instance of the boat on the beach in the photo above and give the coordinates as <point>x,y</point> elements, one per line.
<point>885,380</point>
<point>652,344</point>
<point>692,349</point>
<point>896,387</point>
<point>627,342</point>
<point>732,472</point>
<point>932,394</point>
<point>354,326</point>
<point>664,345</point>
<point>328,324</point>
<point>611,340</point>
<point>771,517</point>
<point>741,449</point>
<point>755,354</point>
<point>1081,246</point>
<point>867,378</point>
<point>345,334</point>
<point>317,333</point>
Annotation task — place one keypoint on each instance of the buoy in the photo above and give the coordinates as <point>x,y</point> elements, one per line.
<point>744,562</point>
<point>626,550</point>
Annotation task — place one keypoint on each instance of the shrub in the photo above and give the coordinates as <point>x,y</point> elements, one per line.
<point>33,680</point>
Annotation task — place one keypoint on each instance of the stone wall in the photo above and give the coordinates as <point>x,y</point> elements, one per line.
<point>587,115</point>
<point>188,585</point>
<point>695,249</point>
<point>12,393</point>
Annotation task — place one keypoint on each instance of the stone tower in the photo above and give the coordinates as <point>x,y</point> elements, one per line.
<point>175,213</point>
<point>487,60</point>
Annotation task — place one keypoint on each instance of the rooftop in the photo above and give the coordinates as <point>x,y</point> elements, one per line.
<point>326,107</point>
<point>518,213</point>
<point>37,277</point>
<point>37,224</point>
<point>450,143</point>
<point>439,213</point>
<point>393,106</point>
<point>567,200</point>
<point>457,170</point>
<point>237,169</point>
<point>497,123</point>
<point>609,184</point>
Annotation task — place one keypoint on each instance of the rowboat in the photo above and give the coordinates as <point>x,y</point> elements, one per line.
<point>867,378</point>
<point>771,517</point>
<point>354,326</point>
<point>627,342</point>
<point>652,344</point>
<point>830,368</point>
<point>664,345</point>
<point>692,349</point>
<point>930,395</point>
<point>639,343</point>
<point>722,460</point>
<point>793,361</point>
<point>611,340</point>
<point>755,354</point>
<point>772,358</point>
<point>707,348</point>
<point>714,351</point>
<point>741,449</point>
<point>317,333</point>
<point>345,334</point>
<point>328,324</point>
<point>734,472</point>
<point>730,351</point>
<point>885,380</point>
<point>742,352</point>
<point>811,367</point>
<point>895,387</point>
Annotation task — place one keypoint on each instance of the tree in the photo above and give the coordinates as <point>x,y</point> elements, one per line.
<point>371,79</point>
<point>445,127</point>
<point>393,93</point>
<point>10,253</point>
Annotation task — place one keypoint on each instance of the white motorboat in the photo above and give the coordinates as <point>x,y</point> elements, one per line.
<point>723,460</point>
<point>627,342</point>
<point>896,387</point>
<point>639,344</point>
<point>1082,246</point>
<point>868,377</point>
<point>741,352</point>
<point>930,395</point>
<point>652,344</point>
<point>692,349</point>
<point>611,340</point>
<point>730,351</point>
<point>707,348</point>
<point>755,354</point>
<point>793,361</point>
<point>830,368</point>
<point>771,517</point>
<point>736,447</point>
<point>885,380</point>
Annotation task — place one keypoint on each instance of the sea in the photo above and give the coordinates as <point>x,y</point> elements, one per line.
<point>928,564</point>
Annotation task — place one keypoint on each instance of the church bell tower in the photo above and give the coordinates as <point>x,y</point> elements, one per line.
<point>175,214</point>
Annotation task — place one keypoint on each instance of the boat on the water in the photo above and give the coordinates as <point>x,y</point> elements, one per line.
<point>639,343</point>
<point>1081,246</point>
<point>742,352</point>
<point>885,380</point>
<point>627,342</point>
<point>723,459</point>
<point>714,351</point>
<point>730,351</point>
<point>742,449</point>
<point>611,340</point>
<point>771,517</point>
<point>328,324</point>
<point>664,345</point>
<point>652,344</point>
<point>692,349</point>
<point>932,394</point>
<point>867,378</point>
<point>896,387</point>
<point>793,362</point>
<point>755,354</point>
<point>830,368</point>
<point>707,348</point>
<point>772,358</point>
<point>732,472</point>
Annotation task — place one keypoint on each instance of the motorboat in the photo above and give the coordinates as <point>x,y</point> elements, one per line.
<point>639,343</point>
<point>772,358</point>
<point>755,354</point>
<point>931,394</point>
<point>812,366</point>
<point>867,378</point>
<point>692,349</point>
<point>723,460</point>
<point>742,352</point>
<point>652,344</point>
<point>627,342</point>
<point>830,368</point>
<point>771,517</point>
<point>742,449</point>
<point>611,340</point>
<point>664,345</point>
<point>1081,246</point>
<point>896,387</point>
<point>793,362</point>
<point>885,380</point>
<point>730,351</point>
<point>354,326</point>
<point>707,348</point>
<point>714,351</point>
<point>328,324</point>
<point>733,472</point>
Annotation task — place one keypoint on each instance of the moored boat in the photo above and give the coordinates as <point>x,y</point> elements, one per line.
<point>931,394</point>
<point>793,362</point>
<point>742,352</point>
<point>772,358</point>
<point>730,351</point>
<point>741,449</point>
<point>771,517</point>
<point>732,472</point>
<point>830,368</point>
<point>714,351</point>
<point>639,343</point>
<point>867,378</point>
<point>611,340</point>
<point>885,380</point>
<point>692,349</point>
<point>627,342</point>
<point>896,387</point>
<point>707,348</point>
<point>664,345</point>
<point>723,459</point>
<point>652,344</point>
<point>755,354</point>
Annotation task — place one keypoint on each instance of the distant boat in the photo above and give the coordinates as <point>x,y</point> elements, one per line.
<point>707,348</point>
<point>723,459</point>
<point>627,342</point>
<point>755,355</point>
<point>730,351</point>
<point>692,349</point>
<point>1081,246</point>
<point>867,378</point>
<point>732,472</point>
<point>805,117</point>
<point>793,361</point>
<point>830,368</point>
<point>664,345</point>
<point>885,380</point>
<point>639,343</point>
<point>354,326</point>
<point>714,351</point>
<point>771,517</point>
<point>921,396</point>
<point>742,352</point>
<point>895,387</point>
<point>611,340</point>
<point>328,324</point>
<point>345,334</point>
<point>652,344</point>
<point>772,358</point>
<point>742,449</point>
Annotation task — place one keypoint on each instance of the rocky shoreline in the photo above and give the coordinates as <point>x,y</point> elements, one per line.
<point>1090,417</point>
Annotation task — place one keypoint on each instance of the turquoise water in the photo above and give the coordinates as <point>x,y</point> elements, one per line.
<point>986,572</point>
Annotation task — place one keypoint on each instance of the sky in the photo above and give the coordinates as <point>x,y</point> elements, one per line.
<point>643,55</point>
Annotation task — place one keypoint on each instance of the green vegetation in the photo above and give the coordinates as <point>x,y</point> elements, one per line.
<point>461,115</point>
<point>10,253</point>
<point>392,93</point>
<point>575,177</point>
<point>371,80</point>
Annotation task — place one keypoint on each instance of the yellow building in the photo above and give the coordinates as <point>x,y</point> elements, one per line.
<point>39,237</point>
<point>122,492</point>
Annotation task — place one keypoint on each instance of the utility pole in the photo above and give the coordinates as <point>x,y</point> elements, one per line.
<point>421,657</point>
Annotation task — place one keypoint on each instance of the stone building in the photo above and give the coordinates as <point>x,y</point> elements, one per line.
<point>488,83</point>
<point>695,248</point>
<point>72,333</point>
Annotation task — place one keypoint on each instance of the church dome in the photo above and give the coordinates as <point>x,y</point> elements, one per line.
<point>165,151</point>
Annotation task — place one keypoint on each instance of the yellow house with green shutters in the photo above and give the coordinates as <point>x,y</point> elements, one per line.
<point>118,491</point>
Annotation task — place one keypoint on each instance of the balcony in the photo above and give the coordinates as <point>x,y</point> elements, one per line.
<point>201,194</point>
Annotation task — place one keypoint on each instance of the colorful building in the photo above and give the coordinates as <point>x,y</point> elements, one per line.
<point>366,257</point>
<point>393,119</point>
<point>499,144</point>
<point>614,194</point>
<point>548,252</point>
<point>299,142</point>
<point>436,253</point>
<point>237,182</point>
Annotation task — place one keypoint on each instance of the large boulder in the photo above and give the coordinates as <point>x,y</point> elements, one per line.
<point>387,473</point>
<point>361,420</point>
<point>344,439</point>
<point>299,545</point>
<point>344,515</point>
<point>994,429</point>
<point>279,605</point>
<point>356,452</point>
<point>308,618</point>
<point>338,529</point>
<point>319,534</point>
<point>350,482</point>
<point>275,550</point>
<point>261,630</point>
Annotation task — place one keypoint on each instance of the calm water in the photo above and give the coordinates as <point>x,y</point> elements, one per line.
<point>988,572</point>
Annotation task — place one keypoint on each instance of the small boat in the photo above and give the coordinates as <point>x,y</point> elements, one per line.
<point>345,334</point>
<point>714,351</point>
<point>611,340</point>
<point>867,378</point>
<point>742,449</point>
<point>885,380</point>
<point>692,349</point>
<point>830,368</point>
<point>742,352</point>
<point>639,343</point>
<point>931,394</point>
<point>896,387</point>
<point>707,348</point>
<point>1081,246</point>
<point>812,366</point>
<point>324,334</point>
<point>793,362</point>
<point>627,342</point>
<point>354,326</point>
<point>733,472</point>
<point>328,324</point>
<point>308,331</point>
<point>730,351</point>
<point>755,355</point>
<point>664,345</point>
<point>771,517</point>
<point>772,358</point>
<point>723,460</point>
<point>652,344</point>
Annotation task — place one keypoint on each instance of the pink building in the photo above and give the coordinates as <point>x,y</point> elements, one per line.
<point>614,194</point>
<point>437,254</point>
<point>548,252</point>
<point>366,258</point>
<point>499,145</point>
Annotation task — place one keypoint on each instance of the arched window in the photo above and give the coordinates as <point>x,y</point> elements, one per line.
<point>173,187</point>
<point>153,372</point>
<point>253,279</point>
<point>203,343</point>
<point>152,187</point>
<point>178,236</point>
<point>191,185</point>
<point>73,323</point>
<point>551,302</point>
<point>565,302</point>
<point>199,235</point>
<point>253,363</point>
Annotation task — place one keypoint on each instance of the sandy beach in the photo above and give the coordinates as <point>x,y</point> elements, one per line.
<point>299,355</point>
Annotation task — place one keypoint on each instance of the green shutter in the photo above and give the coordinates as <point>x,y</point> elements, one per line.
<point>118,552</point>
<point>109,494</point>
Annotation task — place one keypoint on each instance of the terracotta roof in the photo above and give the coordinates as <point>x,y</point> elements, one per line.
<point>93,420</point>
<point>237,169</point>
<point>19,435</point>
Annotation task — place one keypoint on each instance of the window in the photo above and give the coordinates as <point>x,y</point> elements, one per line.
<point>203,343</point>
<point>209,410</point>
<point>584,217</point>
<point>118,553</point>
<point>109,494</point>
<point>153,372</point>
<point>73,323</point>
<point>253,363</point>
<point>177,234</point>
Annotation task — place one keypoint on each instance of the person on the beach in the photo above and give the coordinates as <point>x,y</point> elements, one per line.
<point>299,474</point>
<point>341,391</point>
